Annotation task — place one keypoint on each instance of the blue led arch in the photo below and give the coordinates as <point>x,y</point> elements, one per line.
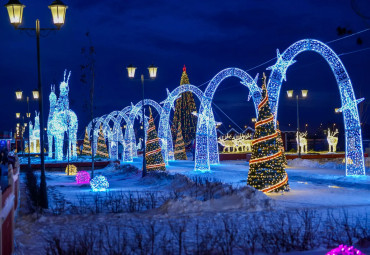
<point>164,129</point>
<point>206,139</point>
<point>354,151</point>
<point>130,148</point>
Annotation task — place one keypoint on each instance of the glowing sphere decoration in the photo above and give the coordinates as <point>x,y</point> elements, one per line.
<point>72,170</point>
<point>82,177</point>
<point>345,250</point>
<point>99,183</point>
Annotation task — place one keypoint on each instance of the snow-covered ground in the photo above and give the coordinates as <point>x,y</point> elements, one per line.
<point>317,186</point>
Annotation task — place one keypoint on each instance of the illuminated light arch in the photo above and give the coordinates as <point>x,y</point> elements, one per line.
<point>112,134</point>
<point>122,115</point>
<point>164,129</point>
<point>130,148</point>
<point>206,139</point>
<point>354,151</point>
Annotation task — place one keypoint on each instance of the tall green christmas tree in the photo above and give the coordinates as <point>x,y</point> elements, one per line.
<point>185,106</point>
<point>266,166</point>
<point>153,153</point>
<point>86,149</point>
<point>102,147</point>
<point>281,143</point>
<point>180,153</point>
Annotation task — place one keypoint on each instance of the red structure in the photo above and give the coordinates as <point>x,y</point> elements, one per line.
<point>8,205</point>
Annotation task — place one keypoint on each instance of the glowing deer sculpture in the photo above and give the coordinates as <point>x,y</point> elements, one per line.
<point>332,140</point>
<point>245,142</point>
<point>302,141</point>
<point>228,143</point>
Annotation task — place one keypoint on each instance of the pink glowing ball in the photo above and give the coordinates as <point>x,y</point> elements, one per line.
<point>345,250</point>
<point>82,177</point>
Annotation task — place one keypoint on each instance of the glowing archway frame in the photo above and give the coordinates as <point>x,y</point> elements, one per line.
<point>206,139</point>
<point>164,129</point>
<point>123,115</point>
<point>354,152</point>
<point>130,146</point>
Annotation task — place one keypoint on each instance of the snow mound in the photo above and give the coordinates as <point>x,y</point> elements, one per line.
<point>297,162</point>
<point>245,198</point>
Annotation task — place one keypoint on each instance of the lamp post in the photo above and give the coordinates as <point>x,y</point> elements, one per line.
<point>152,75</point>
<point>304,93</point>
<point>19,96</point>
<point>58,11</point>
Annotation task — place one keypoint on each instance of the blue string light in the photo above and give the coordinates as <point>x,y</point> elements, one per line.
<point>354,152</point>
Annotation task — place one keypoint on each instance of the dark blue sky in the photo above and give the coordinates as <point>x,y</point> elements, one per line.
<point>207,36</point>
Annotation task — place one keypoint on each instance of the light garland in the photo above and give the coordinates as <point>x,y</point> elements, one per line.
<point>99,183</point>
<point>267,163</point>
<point>352,125</point>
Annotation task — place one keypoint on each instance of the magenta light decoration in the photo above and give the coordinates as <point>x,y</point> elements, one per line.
<point>345,250</point>
<point>82,177</point>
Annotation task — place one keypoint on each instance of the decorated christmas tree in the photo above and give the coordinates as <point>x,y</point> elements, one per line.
<point>266,167</point>
<point>281,144</point>
<point>102,147</point>
<point>86,149</point>
<point>185,106</point>
<point>180,153</point>
<point>153,154</point>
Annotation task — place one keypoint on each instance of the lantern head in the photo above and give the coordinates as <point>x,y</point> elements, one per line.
<point>15,12</point>
<point>58,11</point>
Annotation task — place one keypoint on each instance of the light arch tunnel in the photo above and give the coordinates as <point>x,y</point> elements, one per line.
<point>206,138</point>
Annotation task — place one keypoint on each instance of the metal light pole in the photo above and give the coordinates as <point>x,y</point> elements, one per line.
<point>29,145</point>
<point>19,94</point>
<point>304,95</point>
<point>58,11</point>
<point>152,74</point>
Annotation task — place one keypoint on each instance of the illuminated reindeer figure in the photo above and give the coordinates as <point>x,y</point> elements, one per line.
<point>302,141</point>
<point>228,143</point>
<point>332,140</point>
<point>244,142</point>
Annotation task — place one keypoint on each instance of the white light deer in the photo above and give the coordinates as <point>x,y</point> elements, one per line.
<point>302,141</point>
<point>332,140</point>
<point>139,144</point>
<point>228,143</point>
<point>244,142</point>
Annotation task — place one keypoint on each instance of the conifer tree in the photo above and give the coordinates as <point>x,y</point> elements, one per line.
<point>266,168</point>
<point>86,149</point>
<point>185,106</point>
<point>180,153</point>
<point>153,153</point>
<point>102,147</point>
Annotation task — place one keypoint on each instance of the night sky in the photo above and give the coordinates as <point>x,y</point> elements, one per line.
<point>206,36</point>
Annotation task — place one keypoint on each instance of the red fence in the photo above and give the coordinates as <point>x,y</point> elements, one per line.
<point>8,205</point>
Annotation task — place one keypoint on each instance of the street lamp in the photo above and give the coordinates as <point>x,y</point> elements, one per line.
<point>15,12</point>
<point>304,93</point>
<point>35,94</point>
<point>152,75</point>
<point>18,94</point>
<point>17,115</point>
